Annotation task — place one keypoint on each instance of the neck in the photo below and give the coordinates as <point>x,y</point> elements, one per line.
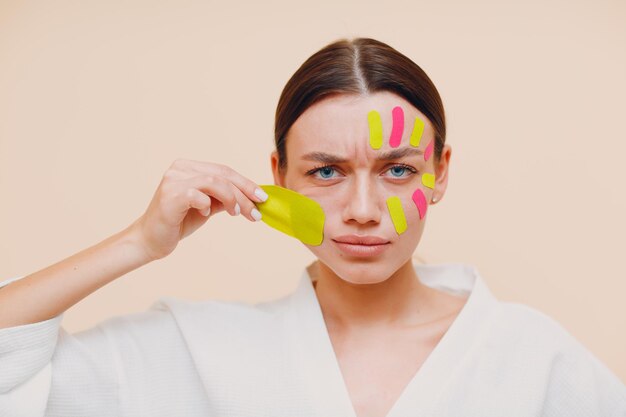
<point>397,301</point>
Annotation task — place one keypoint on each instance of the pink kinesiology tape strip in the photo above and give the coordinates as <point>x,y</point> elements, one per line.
<point>398,127</point>
<point>429,150</point>
<point>420,202</point>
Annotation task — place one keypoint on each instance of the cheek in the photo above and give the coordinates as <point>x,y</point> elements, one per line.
<point>420,202</point>
<point>408,211</point>
<point>398,214</point>
<point>404,211</point>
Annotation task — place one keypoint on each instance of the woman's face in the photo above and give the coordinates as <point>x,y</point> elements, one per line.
<point>331,160</point>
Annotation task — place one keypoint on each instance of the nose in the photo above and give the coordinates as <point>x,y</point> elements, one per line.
<point>362,203</point>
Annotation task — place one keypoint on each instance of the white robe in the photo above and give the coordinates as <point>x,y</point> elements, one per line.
<point>216,358</point>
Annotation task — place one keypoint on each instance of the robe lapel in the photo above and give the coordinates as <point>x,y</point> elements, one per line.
<point>314,355</point>
<point>313,351</point>
<point>421,394</point>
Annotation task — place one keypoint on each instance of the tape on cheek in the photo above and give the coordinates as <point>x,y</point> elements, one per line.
<point>416,135</point>
<point>293,214</point>
<point>429,150</point>
<point>376,129</point>
<point>420,202</point>
<point>428,180</point>
<point>398,127</point>
<point>394,204</point>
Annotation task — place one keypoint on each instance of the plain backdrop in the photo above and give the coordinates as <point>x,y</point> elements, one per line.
<point>98,98</point>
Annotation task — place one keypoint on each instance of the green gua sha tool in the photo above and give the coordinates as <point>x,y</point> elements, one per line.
<point>293,214</point>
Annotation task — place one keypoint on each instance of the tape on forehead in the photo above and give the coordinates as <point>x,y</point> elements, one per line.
<point>376,129</point>
<point>418,130</point>
<point>429,150</point>
<point>398,127</point>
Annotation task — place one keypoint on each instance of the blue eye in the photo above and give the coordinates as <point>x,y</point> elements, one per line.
<point>397,170</point>
<point>400,169</point>
<point>326,171</point>
<point>394,170</point>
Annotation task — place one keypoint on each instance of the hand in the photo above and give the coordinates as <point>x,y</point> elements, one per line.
<point>189,193</point>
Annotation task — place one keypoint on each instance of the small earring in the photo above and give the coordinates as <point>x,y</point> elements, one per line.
<point>434,199</point>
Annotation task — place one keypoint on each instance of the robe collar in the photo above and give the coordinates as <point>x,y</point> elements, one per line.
<point>314,354</point>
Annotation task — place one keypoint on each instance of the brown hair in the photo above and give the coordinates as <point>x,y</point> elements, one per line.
<point>358,66</point>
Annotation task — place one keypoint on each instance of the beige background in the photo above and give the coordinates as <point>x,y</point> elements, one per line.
<point>98,98</point>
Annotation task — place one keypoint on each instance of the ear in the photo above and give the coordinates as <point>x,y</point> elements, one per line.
<point>279,179</point>
<point>441,174</point>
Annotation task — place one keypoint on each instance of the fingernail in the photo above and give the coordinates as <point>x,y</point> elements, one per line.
<point>206,212</point>
<point>261,194</point>
<point>256,214</point>
<point>237,209</point>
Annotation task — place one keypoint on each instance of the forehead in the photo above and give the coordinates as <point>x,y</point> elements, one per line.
<point>339,124</point>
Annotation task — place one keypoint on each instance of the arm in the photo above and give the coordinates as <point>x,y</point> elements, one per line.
<point>49,292</point>
<point>25,353</point>
<point>188,194</point>
<point>31,340</point>
<point>112,369</point>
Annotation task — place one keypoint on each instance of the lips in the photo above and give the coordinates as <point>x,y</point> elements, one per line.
<point>361,240</point>
<point>361,246</point>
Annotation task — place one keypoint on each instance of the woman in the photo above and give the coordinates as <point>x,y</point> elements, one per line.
<point>360,129</point>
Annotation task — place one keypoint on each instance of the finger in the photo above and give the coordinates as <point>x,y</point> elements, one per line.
<point>218,188</point>
<point>248,187</point>
<point>246,206</point>
<point>175,174</point>
<point>200,201</point>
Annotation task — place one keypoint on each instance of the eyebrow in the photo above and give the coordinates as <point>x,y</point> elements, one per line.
<point>384,156</point>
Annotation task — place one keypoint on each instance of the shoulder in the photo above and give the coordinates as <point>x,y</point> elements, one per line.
<point>223,335</point>
<point>233,310</point>
<point>522,322</point>
<point>229,318</point>
<point>524,327</point>
<point>573,377</point>
<point>170,318</point>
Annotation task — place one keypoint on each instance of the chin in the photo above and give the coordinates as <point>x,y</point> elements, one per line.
<point>359,273</point>
<point>363,270</point>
